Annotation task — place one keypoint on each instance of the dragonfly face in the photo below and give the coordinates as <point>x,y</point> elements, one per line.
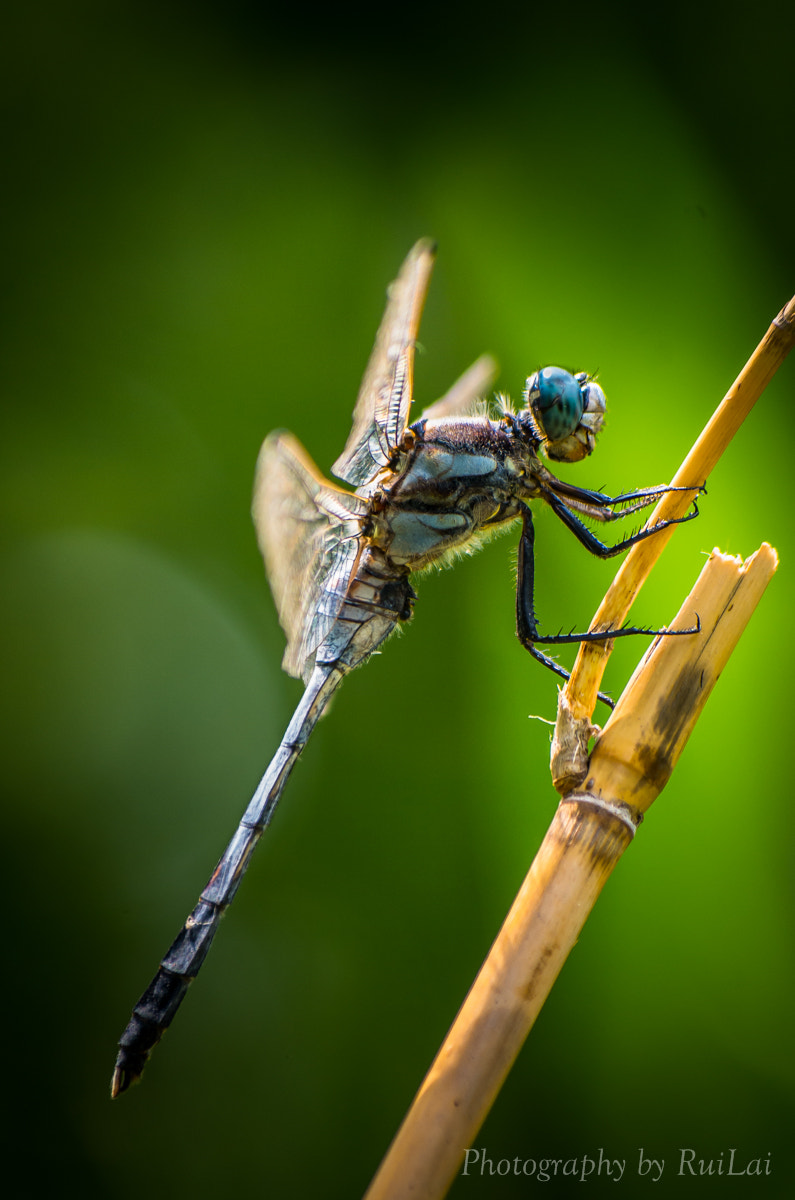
<point>565,411</point>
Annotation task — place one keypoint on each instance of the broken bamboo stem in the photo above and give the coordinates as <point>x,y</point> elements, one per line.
<point>589,832</point>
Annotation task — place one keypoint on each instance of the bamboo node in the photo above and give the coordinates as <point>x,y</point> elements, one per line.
<point>628,815</point>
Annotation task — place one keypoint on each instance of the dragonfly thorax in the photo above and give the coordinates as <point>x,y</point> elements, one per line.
<point>461,479</point>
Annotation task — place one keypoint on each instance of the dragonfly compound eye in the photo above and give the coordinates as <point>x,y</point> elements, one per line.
<point>567,412</point>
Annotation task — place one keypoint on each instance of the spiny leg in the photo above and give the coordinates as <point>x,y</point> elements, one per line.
<point>526,622</point>
<point>597,506</point>
<point>637,499</point>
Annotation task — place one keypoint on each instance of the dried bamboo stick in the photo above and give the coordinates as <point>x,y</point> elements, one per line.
<point>569,758</point>
<point>590,831</point>
<point>642,741</point>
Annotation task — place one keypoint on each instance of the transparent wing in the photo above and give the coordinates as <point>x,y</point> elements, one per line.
<point>309,534</point>
<point>381,412</point>
<point>464,396</point>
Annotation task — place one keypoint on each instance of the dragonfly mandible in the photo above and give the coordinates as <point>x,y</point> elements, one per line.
<point>339,561</point>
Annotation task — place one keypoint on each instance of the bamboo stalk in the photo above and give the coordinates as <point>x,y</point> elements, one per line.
<point>590,830</point>
<point>569,758</point>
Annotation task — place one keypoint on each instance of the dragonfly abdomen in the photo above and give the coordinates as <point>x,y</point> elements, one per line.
<point>378,597</point>
<point>158,1005</point>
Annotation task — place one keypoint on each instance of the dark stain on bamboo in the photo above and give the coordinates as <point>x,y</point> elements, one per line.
<point>538,978</point>
<point>595,832</point>
<point>671,722</point>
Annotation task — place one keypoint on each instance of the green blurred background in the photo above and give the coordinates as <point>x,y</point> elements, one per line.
<point>203,206</point>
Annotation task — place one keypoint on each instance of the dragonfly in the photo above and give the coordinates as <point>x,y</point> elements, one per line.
<point>340,560</point>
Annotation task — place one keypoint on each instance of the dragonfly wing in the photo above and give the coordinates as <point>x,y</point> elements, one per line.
<point>464,397</point>
<point>309,534</point>
<point>382,407</point>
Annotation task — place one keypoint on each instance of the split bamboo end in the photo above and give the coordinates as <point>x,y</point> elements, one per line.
<point>641,743</point>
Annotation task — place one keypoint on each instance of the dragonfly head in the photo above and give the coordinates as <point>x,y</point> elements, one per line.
<point>564,412</point>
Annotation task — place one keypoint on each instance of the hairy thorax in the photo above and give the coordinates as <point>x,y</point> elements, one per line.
<point>460,481</point>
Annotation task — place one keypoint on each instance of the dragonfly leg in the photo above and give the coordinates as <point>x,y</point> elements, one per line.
<point>527,624</point>
<point>597,506</point>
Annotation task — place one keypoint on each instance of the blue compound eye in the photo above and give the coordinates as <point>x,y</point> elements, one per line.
<point>557,403</point>
<point>563,413</point>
